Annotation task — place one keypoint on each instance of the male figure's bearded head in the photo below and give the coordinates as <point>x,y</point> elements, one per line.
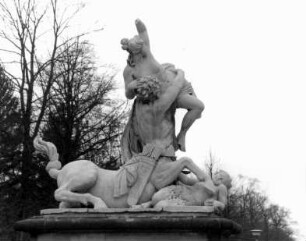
<point>149,89</point>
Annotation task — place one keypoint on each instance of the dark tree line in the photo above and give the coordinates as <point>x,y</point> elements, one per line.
<point>55,91</point>
<point>251,208</point>
<point>82,120</point>
<point>10,153</point>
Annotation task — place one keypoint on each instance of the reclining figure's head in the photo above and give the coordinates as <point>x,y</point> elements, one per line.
<point>222,177</point>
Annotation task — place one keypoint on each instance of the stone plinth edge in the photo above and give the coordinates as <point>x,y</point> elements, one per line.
<point>184,209</point>
<point>126,220</point>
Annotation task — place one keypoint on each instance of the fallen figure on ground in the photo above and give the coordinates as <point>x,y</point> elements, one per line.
<point>193,193</point>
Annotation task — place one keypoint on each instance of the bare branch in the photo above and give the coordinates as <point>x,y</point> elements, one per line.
<point>10,51</point>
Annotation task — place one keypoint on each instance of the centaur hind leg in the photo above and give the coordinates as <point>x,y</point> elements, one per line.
<point>74,184</point>
<point>166,172</point>
<point>66,197</point>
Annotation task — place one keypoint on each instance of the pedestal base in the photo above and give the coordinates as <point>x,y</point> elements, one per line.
<point>173,223</point>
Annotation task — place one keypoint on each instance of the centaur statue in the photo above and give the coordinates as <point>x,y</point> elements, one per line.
<point>148,143</point>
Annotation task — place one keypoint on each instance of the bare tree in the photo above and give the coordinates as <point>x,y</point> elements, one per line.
<point>211,164</point>
<point>278,217</point>
<point>34,51</point>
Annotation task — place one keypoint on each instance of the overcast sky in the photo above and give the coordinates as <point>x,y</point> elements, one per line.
<point>246,61</point>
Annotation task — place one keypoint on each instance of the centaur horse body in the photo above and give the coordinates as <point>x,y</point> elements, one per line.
<point>83,182</point>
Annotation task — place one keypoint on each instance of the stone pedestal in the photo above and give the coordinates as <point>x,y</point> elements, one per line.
<point>172,223</point>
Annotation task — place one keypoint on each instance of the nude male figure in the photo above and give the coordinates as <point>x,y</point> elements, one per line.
<point>141,63</point>
<point>150,130</point>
